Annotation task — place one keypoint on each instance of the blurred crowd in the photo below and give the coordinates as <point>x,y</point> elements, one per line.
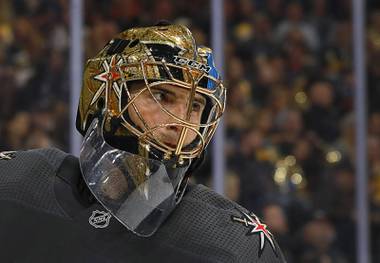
<point>289,124</point>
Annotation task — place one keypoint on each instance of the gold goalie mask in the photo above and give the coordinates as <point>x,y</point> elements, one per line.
<point>150,103</point>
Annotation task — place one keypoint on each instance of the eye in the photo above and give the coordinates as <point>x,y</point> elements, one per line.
<point>160,95</point>
<point>197,107</point>
<point>199,103</point>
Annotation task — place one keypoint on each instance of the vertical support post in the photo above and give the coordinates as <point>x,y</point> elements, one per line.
<point>76,69</point>
<point>363,243</point>
<point>218,158</point>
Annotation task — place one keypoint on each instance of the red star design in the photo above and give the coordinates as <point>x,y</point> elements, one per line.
<point>257,228</point>
<point>109,77</point>
<point>114,73</point>
<point>111,72</point>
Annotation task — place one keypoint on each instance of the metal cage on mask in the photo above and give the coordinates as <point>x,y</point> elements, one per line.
<point>190,78</point>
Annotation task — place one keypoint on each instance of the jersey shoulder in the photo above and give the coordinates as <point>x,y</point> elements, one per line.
<point>218,228</point>
<point>27,177</point>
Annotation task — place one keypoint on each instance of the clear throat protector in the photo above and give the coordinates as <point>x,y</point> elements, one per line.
<point>140,192</point>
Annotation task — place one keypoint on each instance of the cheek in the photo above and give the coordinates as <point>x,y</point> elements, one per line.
<point>191,135</point>
<point>196,118</point>
<point>149,111</point>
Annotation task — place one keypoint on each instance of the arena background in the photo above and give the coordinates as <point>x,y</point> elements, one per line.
<point>289,125</point>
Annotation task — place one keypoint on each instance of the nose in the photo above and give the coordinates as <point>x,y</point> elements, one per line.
<point>180,110</point>
<point>173,132</point>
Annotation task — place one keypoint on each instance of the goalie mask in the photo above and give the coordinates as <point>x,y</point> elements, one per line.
<point>150,103</point>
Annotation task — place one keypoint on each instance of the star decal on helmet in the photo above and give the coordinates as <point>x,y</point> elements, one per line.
<point>109,76</point>
<point>255,226</point>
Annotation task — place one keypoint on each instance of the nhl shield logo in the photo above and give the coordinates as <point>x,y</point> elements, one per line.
<point>7,155</point>
<point>99,219</point>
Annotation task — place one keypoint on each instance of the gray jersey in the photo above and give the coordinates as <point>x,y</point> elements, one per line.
<point>47,214</point>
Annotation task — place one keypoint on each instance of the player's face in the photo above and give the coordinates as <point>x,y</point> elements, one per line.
<point>175,100</point>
